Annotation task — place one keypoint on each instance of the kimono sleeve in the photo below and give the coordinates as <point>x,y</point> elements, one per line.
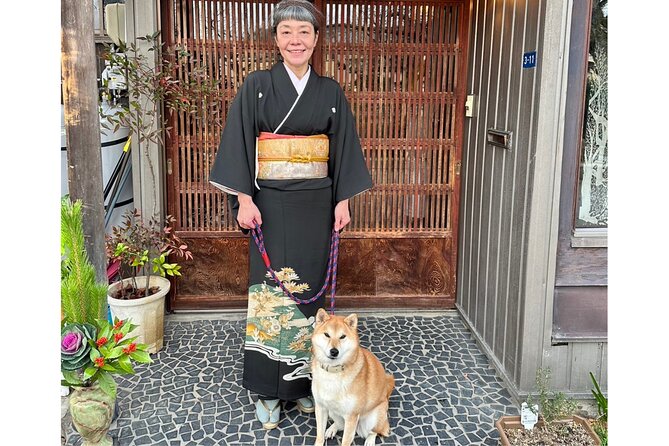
<point>234,166</point>
<point>346,166</point>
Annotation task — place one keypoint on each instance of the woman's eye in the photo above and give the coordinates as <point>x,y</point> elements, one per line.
<point>326,335</point>
<point>342,336</point>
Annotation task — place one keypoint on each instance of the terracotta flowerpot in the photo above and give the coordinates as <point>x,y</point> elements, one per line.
<point>92,410</point>
<point>513,422</point>
<point>146,312</point>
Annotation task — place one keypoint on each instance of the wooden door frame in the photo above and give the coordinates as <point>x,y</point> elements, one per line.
<point>236,245</point>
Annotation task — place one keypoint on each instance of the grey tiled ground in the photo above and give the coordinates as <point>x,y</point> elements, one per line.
<point>446,392</point>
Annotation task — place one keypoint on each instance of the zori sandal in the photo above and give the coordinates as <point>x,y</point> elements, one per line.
<point>306,405</point>
<point>268,413</point>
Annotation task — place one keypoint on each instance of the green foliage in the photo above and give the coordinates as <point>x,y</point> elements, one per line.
<point>94,353</point>
<point>552,405</point>
<point>157,81</point>
<point>83,299</point>
<point>137,244</point>
<point>602,401</point>
<point>602,431</point>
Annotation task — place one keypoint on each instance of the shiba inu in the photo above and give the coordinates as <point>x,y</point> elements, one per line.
<point>349,384</point>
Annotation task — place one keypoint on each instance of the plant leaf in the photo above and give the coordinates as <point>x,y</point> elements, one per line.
<point>125,364</point>
<point>107,384</point>
<point>71,378</point>
<point>90,372</point>
<point>142,357</point>
<point>115,352</point>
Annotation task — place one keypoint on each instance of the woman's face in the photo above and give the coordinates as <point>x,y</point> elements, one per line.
<point>296,41</point>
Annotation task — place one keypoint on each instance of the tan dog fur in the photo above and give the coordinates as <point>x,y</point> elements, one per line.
<point>354,390</point>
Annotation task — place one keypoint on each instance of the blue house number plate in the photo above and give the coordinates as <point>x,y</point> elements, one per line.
<point>530,59</point>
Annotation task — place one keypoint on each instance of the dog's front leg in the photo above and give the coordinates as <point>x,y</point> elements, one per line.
<point>321,423</point>
<point>350,423</point>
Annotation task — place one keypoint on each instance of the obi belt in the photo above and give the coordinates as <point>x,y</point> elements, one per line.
<point>288,157</point>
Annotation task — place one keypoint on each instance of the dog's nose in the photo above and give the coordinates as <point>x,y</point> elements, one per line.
<point>334,352</point>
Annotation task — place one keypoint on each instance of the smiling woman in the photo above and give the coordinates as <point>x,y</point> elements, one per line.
<point>291,159</point>
<point>296,41</point>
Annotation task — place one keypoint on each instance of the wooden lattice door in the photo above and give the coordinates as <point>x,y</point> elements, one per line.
<point>402,65</point>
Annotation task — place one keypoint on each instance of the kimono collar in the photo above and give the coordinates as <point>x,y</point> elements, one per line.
<point>299,84</point>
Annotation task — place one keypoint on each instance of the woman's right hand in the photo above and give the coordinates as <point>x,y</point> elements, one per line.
<point>248,214</point>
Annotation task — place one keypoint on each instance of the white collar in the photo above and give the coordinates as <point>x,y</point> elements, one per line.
<point>299,84</point>
<point>332,368</point>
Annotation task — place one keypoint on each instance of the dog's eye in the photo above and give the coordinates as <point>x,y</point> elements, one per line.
<point>342,336</point>
<point>326,335</point>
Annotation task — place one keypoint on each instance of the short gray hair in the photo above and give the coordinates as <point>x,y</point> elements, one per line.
<point>300,10</point>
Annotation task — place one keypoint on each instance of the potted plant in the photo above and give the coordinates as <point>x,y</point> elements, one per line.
<point>91,349</point>
<point>557,422</point>
<point>82,299</point>
<point>144,246</point>
<point>89,356</point>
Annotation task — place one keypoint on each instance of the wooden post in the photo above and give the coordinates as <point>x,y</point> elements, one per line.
<point>82,124</point>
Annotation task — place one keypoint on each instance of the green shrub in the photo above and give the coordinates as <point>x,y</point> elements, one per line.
<point>552,405</point>
<point>83,300</point>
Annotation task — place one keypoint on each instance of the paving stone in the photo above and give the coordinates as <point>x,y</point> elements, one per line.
<point>446,391</point>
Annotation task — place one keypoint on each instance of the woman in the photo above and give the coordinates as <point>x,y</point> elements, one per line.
<point>291,158</point>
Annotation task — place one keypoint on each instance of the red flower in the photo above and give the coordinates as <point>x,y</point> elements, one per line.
<point>130,348</point>
<point>118,337</point>
<point>102,341</point>
<point>118,325</point>
<point>100,362</point>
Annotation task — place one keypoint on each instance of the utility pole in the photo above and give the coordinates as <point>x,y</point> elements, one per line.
<point>82,124</point>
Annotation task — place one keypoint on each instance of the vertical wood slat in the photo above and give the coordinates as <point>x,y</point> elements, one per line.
<point>168,35</point>
<point>404,113</point>
<point>230,39</point>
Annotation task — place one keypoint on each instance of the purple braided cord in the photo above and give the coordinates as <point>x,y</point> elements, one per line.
<point>330,277</point>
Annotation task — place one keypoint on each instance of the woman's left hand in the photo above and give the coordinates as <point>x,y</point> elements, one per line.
<point>342,216</point>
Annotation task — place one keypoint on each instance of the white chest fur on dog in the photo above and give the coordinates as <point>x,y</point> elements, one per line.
<point>331,390</point>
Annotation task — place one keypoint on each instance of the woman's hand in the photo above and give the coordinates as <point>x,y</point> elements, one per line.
<point>342,217</point>
<point>248,214</point>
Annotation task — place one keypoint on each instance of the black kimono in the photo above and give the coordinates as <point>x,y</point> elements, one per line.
<point>297,218</point>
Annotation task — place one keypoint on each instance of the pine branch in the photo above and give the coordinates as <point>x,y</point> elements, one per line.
<point>82,298</point>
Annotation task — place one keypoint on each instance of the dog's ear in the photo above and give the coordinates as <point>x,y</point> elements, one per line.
<point>321,316</point>
<point>352,321</point>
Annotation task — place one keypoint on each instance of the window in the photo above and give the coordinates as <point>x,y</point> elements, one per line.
<point>591,217</point>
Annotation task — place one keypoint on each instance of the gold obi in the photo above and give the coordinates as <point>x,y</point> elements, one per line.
<point>288,157</point>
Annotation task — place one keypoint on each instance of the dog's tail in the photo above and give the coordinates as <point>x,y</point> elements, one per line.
<point>390,384</point>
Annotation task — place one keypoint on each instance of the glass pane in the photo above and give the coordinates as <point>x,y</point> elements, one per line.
<point>593,210</point>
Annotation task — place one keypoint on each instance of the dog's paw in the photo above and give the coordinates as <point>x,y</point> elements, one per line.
<point>331,432</point>
<point>319,442</point>
<point>370,440</point>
